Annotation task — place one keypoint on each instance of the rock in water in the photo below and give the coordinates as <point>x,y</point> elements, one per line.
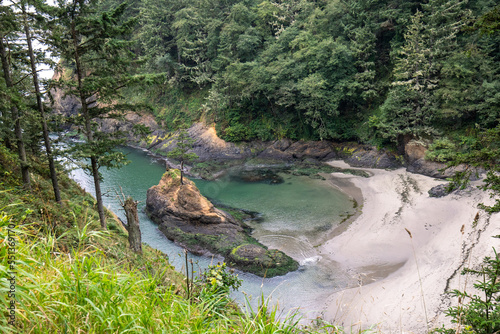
<point>188,218</point>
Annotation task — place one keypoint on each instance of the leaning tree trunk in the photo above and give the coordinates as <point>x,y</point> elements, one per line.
<point>46,139</point>
<point>98,192</point>
<point>134,230</point>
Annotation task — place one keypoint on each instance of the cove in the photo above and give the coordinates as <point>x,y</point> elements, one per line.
<point>296,216</point>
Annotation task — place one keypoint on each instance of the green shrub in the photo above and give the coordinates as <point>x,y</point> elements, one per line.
<point>478,314</point>
<point>441,150</point>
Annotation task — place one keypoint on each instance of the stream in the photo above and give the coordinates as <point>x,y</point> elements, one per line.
<point>296,216</point>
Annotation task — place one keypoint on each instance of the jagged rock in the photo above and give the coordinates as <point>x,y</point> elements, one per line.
<point>182,205</point>
<point>370,157</point>
<point>250,255</point>
<point>64,104</point>
<point>188,218</point>
<point>418,164</point>
<point>125,125</point>
<point>415,150</point>
<point>431,168</point>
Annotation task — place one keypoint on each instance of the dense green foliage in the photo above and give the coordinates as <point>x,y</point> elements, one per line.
<point>376,71</point>
<point>370,70</point>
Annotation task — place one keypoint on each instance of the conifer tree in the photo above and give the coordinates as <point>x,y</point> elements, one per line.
<point>94,45</point>
<point>9,29</point>
<point>40,106</point>
<point>410,107</point>
<point>180,152</point>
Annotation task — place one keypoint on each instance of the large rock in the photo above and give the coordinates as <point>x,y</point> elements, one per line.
<point>182,206</point>
<point>368,157</point>
<point>188,218</point>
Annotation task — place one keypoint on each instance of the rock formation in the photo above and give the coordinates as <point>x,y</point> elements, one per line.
<point>189,219</point>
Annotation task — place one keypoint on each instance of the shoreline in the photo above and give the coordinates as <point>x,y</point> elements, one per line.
<point>341,182</point>
<point>376,247</point>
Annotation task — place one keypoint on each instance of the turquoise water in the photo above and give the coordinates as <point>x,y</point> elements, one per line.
<point>296,217</point>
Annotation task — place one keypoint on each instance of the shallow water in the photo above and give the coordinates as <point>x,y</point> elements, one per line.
<point>296,217</point>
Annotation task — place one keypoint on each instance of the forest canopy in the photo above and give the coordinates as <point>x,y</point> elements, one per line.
<point>374,71</point>
<point>379,71</point>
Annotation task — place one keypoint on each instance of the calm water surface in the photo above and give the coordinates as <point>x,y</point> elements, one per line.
<point>296,216</point>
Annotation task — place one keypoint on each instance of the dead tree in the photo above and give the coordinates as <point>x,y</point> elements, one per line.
<point>133,228</point>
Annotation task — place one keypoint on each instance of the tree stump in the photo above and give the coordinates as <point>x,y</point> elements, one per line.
<point>134,231</point>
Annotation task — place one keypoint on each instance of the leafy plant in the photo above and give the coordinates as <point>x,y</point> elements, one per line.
<point>217,278</point>
<point>481,314</point>
<point>441,150</point>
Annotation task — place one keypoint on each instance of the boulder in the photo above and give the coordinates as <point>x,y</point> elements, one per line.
<point>439,191</point>
<point>250,256</point>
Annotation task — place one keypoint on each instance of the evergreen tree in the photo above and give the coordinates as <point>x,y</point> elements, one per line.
<point>9,32</point>
<point>180,152</point>
<point>93,44</point>
<point>410,107</point>
<point>40,106</point>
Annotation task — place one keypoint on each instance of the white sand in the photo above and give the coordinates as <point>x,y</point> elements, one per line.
<point>395,201</point>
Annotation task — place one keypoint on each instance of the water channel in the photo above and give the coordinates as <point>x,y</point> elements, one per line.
<point>296,216</point>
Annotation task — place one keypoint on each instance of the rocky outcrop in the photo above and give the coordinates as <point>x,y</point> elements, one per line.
<point>188,218</point>
<point>63,104</point>
<point>126,125</point>
<point>209,147</point>
<point>418,164</point>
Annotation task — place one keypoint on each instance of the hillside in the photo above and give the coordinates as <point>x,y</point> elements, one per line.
<point>379,72</point>
<point>379,83</point>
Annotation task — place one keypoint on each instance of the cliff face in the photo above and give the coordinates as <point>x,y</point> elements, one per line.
<point>189,219</point>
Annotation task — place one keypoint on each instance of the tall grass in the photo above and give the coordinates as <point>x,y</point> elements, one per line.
<point>85,290</point>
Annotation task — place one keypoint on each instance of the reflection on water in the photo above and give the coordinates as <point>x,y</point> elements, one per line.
<point>296,215</point>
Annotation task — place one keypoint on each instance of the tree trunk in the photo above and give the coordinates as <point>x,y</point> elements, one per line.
<point>46,139</point>
<point>98,193</point>
<point>182,172</point>
<point>88,126</point>
<point>17,121</point>
<point>134,230</point>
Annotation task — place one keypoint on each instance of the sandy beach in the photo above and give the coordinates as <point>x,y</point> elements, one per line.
<point>416,271</point>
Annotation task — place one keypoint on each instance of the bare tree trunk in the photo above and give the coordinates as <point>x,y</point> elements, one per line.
<point>17,121</point>
<point>182,172</point>
<point>46,139</point>
<point>134,230</point>
<point>98,193</point>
